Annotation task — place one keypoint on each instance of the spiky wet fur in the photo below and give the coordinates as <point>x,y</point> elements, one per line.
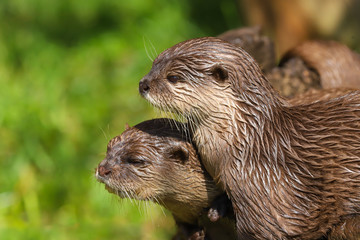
<point>291,171</point>
<point>145,165</point>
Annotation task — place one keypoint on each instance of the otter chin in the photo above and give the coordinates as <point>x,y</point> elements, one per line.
<point>291,171</point>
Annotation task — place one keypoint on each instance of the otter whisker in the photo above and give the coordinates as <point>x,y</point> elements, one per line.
<point>153,49</point>
<point>107,137</point>
<point>142,208</point>
<point>146,50</point>
<point>161,203</point>
<point>130,196</point>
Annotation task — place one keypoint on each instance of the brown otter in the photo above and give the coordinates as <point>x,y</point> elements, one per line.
<point>291,171</point>
<point>186,230</point>
<point>155,161</point>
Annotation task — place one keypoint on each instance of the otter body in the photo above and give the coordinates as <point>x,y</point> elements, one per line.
<point>291,171</point>
<point>155,161</point>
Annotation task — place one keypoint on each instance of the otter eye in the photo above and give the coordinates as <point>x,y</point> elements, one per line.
<point>135,161</point>
<point>173,78</point>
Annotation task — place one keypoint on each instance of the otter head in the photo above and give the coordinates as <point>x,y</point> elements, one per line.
<point>154,161</point>
<point>200,77</point>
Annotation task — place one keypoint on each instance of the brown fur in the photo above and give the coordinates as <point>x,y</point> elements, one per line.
<point>155,161</point>
<point>260,47</point>
<point>316,95</point>
<point>291,171</point>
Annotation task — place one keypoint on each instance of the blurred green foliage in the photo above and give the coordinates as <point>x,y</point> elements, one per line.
<point>69,72</point>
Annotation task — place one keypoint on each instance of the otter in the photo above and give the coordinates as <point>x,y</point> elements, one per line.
<point>198,224</point>
<point>156,161</point>
<point>290,171</point>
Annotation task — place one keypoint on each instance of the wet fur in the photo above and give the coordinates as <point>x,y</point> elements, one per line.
<point>148,162</point>
<point>291,171</point>
<point>156,161</point>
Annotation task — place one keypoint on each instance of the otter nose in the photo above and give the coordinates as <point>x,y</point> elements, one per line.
<point>104,171</point>
<point>144,86</point>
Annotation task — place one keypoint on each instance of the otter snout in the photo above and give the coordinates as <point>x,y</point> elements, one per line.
<point>103,172</point>
<point>144,86</point>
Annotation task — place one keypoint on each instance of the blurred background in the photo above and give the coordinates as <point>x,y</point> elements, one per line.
<point>69,73</point>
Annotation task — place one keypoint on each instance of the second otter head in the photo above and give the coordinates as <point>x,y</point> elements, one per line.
<point>155,161</point>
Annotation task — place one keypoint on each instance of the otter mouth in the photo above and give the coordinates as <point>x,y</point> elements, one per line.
<point>120,193</point>
<point>109,189</point>
<point>161,104</point>
<point>156,104</point>
<point>105,181</point>
<point>115,191</point>
<point>99,177</point>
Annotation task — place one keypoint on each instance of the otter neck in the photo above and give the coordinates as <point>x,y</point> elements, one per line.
<point>248,136</point>
<point>241,125</point>
<point>189,202</point>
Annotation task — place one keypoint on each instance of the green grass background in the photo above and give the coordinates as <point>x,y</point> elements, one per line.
<point>69,73</point>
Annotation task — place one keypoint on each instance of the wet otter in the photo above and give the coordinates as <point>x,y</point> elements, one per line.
<point>291,171</point>
<point>155,161</point>
<point>150,131</point>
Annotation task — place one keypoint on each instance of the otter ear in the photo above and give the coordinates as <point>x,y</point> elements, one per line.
<point>219,73</point>
<point>180,153</point>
